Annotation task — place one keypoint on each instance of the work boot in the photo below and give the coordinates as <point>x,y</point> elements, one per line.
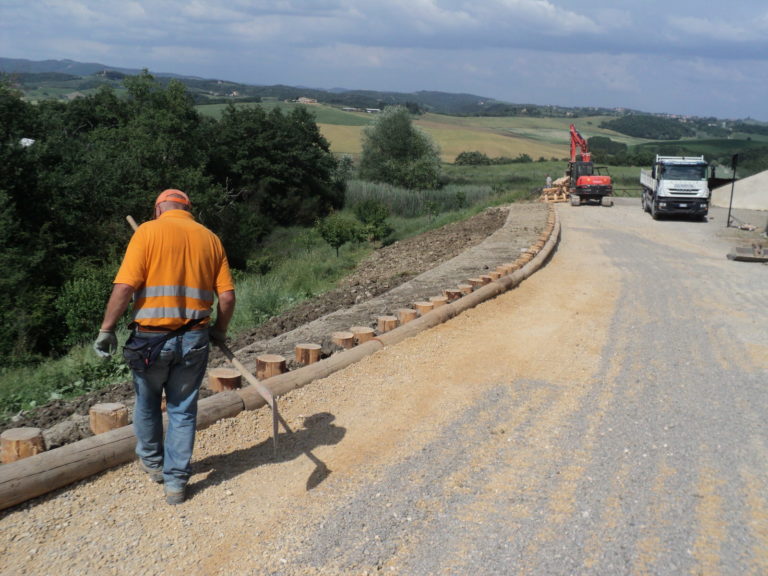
<point>174,497</point>
<point>155,474</point>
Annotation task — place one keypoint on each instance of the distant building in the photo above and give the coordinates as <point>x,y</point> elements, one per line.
<point>303,100</point>
<point>373,110</point>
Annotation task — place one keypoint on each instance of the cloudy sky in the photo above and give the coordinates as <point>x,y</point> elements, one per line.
<point>697,57</point>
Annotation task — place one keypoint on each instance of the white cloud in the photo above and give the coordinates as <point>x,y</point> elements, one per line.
<point>579,52</point>
<point>702,28</point>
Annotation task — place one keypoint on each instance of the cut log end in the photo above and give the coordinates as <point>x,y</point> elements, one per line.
<point>343,339</point>
<point>268,365</point>
<point>19,443</point>
<point>438,301</point>
<point>107,416</point>
<point>386,323</point>
<point>405,315</point>
<point>307,353</point>
<point>362,333</point>
<point>221,379</point>
<point>423,307</point>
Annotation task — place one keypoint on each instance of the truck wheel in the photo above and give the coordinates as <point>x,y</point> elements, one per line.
<point>654,212</point>
<point>644,203</point>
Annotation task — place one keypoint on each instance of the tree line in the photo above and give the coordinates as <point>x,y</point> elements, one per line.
<point>71,172</point>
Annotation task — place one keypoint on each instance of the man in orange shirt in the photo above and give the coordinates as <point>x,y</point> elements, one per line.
<point>172,269</point>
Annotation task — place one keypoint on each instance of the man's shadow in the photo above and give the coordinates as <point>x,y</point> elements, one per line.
<point>318,430</point>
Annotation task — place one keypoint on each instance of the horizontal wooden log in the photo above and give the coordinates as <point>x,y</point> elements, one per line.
<point>298,378</point>
<point>41,473</point>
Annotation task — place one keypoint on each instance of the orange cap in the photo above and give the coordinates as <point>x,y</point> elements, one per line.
<point>172,195</point>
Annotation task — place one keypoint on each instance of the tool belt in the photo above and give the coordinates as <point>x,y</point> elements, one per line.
<point>141,353</point>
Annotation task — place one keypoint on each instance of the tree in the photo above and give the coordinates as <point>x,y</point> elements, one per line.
<point>474,158</point>
<point>373,214</point>
<point>337,230</point>
<point>63,199</point>
<point>279,162</point>
<point>394,152</point>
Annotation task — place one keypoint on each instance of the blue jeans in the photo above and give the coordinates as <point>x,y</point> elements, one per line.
<point>179,370</point>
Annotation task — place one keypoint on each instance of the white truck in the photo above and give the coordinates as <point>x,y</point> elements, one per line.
<point>676,185</point>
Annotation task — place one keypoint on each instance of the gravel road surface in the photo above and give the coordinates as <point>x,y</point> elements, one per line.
<point>605,417</point>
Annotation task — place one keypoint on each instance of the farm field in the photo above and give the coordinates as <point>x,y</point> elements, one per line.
<point>493,136</point>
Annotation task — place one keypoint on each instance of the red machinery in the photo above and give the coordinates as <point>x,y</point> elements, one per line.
<point>583,184</point>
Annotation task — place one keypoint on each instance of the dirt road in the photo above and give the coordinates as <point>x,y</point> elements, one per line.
<point>606,417</point>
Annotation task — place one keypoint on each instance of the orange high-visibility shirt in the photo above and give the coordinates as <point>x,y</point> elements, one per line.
<point>176,267</point>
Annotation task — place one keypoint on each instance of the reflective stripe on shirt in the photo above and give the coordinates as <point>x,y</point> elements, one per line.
<point>174,291</point>
<point>169,312</point>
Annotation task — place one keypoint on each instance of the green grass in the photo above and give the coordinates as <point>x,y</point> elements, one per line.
<point>80,372</point>
<point>300,266</point>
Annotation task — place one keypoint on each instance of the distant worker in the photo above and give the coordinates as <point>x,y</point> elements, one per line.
<point>549,181</point>
<point>173,267</point>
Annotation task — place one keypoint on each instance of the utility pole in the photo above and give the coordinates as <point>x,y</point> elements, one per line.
<point>734,161</point>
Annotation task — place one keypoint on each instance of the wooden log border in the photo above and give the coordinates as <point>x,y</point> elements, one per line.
<point>42,473</point>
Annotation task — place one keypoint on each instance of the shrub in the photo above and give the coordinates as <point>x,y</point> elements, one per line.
<point>338,229</point>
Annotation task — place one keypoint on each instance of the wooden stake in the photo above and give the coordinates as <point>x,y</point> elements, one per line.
<point>465,288</point>
<point>308,353</point>
<point>268,365</point>
<point>438,301</point>
<point>423,307</point>
<point>486,279</point>
<point>386,323</point>
<point>221,379</point>
<point>405,315</point>
<point>107,416</point>
<point>453,294</point>
<point>19,443</point>
<point>362,333</point>
<point>475,282</point>
<point>344,339</point>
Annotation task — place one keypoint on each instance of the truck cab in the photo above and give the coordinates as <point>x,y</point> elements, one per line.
<point>676,185</point>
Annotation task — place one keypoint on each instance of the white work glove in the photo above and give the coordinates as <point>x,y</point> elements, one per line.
<point>105,344</point>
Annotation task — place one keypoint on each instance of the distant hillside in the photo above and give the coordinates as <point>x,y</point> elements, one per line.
<point>69,67</point>
<point>58,78</point>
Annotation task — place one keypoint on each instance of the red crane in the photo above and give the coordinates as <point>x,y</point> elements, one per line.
<point>578,141</point>
<point>584,186</point>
